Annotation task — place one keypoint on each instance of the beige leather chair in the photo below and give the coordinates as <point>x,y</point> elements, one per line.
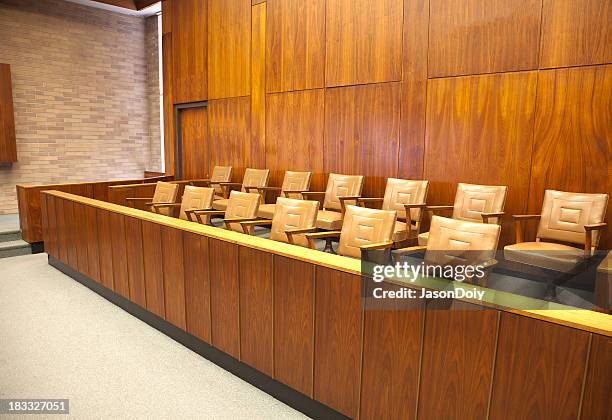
<point>473,203</point>
<point>407,197</point>
<point>253,179</point>
<point>292,219</point>
<point>362,229</point>
<point>220,175</point>
<point>194,198</point>
<point>165,192</point>
<point>294,183</point>
<point>566,217</point>
<point>241,207</point>
<point>340,188</point>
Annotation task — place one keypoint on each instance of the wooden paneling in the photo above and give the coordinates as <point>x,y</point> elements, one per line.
<point>576,32</point>
<point>295,127</point>
<point>8,141</point>
<point>166,10</point>
<point>197,285</point>
<point>257,146</point>
<point>362,133</point>
<point>106,249</point>
<point>61,231</point>
<point>458,357</point>
<point>194,131</point>
<point>51,239</point>
<point>256,309</point>
<point>391,356</point>
<point>189,46</point>
<point>174,276</point>
<point>224,296</point>
<point>338,340</point>
<point>472,137</point>
<point>153,268</point>
<point>45,219</point>
<point>118,194</point>
<point>363,41</point>
<point>598,386</point>
<point>414,89</point>
<point>573,134</point>
<point>70,232</point>
<point>229,126</point>
<point>476,36</point>
<point>539,370</point>
<point>295,45</point>
<point>294,324</point>
<point>135,260</point>
<point>229,48</point>
<point>119,252</point>
<point>80,238</point>
<point>168,103</point>
<point>93,247</point>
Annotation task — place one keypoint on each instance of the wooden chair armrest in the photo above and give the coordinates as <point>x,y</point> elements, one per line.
<point>328,236</point>
<point>200,213</point>
<point>380,245</point>
<point>247,227</point>
<point>435,208</point>
<point>526,216</point>
<point>251,189</point>
<point>588,241</point>
<point>347,198</point>
<point>518,225</point>
<point>595,226</point>
<point>487,216</point>
<point>200,182</point>
<point>407,208</point>
<point>489,264</point>
<point>162,205</point>
<point>228,222</point>
<point>287,192</point>
<point>366,200</point>
<point>269,188</point>
<point>291,232</point>
<point>410,250</point>
<point>138,199</point>
<point>311,192</point>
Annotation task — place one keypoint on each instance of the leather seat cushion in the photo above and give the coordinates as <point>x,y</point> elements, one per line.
<point>548,255</point>
<point>399,232</point>
<point>424,238</point>
<point>329,220</point>
<point>220,204</point>
<point>266,211</point>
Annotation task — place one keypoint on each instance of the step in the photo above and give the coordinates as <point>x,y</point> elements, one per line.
<point>10,235</point>
<point>14,248</point>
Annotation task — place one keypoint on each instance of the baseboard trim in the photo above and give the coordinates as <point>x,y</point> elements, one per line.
<point>280,391</point>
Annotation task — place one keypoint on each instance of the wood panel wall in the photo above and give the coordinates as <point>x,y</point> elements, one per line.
<point>305,326</point>
<point>8,141</point>
<point>512,92</point>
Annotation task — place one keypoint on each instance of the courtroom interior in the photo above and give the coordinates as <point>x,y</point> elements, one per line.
<point>329,209</point>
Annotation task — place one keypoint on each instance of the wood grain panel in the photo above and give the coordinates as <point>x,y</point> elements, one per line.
<point>573,134</point>
<point>153,268</point>
<point>576,32</point>
<point>295,45</point>
<point>168,103</point>
<point>61,231</point>
<point>119,252</point>
<point>458,357</point>
<point>539,370</point>
<point>135,260</point>
<point>174,276</point>
<point>472,137</point>
<point>197,285</point>
<point>391,355</point>
<point>362,133</point>
<point>295,127</point>
<point>70,234</point>
<point>166,10</point>
<point>229,48</point>
<point>414,89</point>
<point>80,238</point>
<point>256,309</point>
<point>106,249</point>
<point>338,340</point>
<point>229,126</point>
<point>363,38</point>
<point>93,247</point>
<point>294,324</point>
<point>8,141</point>
<point>598,386</point>
<point>194,132</point>
<point>476,36</point>
<point>224,297</point>
<point>51,239</point>
<point>256,148</point>
<point>189,50</point>
<point>45,220</point>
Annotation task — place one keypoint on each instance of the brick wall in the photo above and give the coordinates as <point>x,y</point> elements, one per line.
<point>81,94</point>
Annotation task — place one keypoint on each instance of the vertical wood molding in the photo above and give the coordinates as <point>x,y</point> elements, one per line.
<point>256,147</point>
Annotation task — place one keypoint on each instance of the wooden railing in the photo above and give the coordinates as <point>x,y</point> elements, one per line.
<point>296,315</point>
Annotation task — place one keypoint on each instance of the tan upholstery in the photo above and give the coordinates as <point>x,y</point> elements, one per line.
<point>296,181</point>
<point>329,220</point>
<point>548,255</point>
<point>341,186</point>
<point>564,215</point>
<point>472,200</point>
<point>400,233</point>
<point>266,211</point>
<point>165,192</point>
<point>423,238</point>
<point>220,204</point>
<point>451,239</point>
<point>293,214</point>
<point>252,178</point>
<point>196,198</point>
<point>403,191</point>
<point>241,205</point>
<point>220,174</point>
<point>364,226</point>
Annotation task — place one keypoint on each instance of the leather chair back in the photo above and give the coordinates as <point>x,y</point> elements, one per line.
<point>242,205</point>
<point>453,241</point>
<point>290,213</point>
<point>221,174</point>
<point>564,215</point>
<point>255,178</point>
<point>339,186</point>
<point>403,191</point>
<point>165,192</point>
<point>472,200</point>
<point>364,226</point>
<point>196,198</point>
<point>296,181</point>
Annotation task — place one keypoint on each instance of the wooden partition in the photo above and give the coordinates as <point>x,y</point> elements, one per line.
<point>28,200</point>
<point>296,315</point>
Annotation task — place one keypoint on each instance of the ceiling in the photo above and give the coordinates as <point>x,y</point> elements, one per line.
<point>131,7</point>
